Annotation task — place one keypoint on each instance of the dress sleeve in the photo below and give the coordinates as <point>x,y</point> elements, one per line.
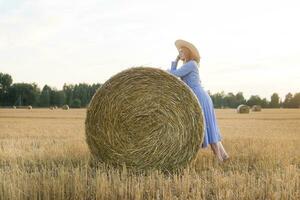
<point>174,65</point>
<point>183,70</point>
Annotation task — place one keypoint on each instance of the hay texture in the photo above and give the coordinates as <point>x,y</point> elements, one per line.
<point>144,118</point>
<point>65,107</point>
<point>243,109</point>
<point>29,107</point>
<point>256,108</point>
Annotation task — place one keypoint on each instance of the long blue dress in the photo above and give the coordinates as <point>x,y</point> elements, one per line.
<point>189,73</point>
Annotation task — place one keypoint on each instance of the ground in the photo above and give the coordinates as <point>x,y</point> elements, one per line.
<point>43,155</point>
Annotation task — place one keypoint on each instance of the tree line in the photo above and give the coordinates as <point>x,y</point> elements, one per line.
<point>230,100</point>
<point>24,94</point>
<point>79,95</point>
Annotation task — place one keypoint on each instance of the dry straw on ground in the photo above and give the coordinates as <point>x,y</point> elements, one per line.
<point>243,109</point>
<point>65,107</point>
<point>145,118</point>
<point>256,108</point>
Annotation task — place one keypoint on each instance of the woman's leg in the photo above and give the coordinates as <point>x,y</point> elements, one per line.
<point>223,153</point>
<point>216,150</point>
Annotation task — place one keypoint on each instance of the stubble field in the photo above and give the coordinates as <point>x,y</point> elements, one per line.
<point>43,155</point>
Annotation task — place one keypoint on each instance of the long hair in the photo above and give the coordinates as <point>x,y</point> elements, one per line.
<point>188,55</point>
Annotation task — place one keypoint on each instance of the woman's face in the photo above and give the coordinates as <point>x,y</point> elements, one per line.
<point>183,53</point>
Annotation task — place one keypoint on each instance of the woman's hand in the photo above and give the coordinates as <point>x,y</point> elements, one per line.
<point>177,58</point>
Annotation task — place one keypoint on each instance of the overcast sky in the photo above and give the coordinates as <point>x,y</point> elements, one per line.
<point>250,46</point>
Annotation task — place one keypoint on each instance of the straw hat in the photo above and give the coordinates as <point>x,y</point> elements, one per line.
<point>182,43</point>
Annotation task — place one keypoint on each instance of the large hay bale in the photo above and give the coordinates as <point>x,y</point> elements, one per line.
<point>29,107</point>
<point>144,118</point>
<point>14,107</point>
<point>65,107</point>
<point>243,109</point>
<point>256,108</point>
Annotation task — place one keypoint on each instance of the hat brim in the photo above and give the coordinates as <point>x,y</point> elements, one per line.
<point>190,46</point>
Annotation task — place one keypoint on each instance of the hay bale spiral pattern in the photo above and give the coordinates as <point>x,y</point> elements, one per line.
<point>145,118</point>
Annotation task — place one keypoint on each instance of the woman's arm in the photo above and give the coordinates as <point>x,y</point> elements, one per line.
<point>174,65</point>
<point>183,70</point>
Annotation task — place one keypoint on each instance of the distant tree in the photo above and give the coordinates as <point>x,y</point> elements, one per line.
<point>81,91</point>
<point>240,99</point>
<point>218,99</point>
<point>288,101</point>
<point>5,83</point>
<point>229,100</point>
<point>45,96</point>
<point>68,90</point>
<point>233,101</point>
<point>275,101</point>
<point>265,103</point>
<point>254,100</point>
<point>57,97</point>
<point>76,103</point>
<point>23,94</point>
<point>295,102</point>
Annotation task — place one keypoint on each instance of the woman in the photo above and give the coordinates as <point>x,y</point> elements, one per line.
<point>189,73</point>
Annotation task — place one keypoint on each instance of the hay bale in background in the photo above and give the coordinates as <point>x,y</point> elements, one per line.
<point>29,107</point>
<point>14,107</point>
<point>55,107</point>
<point>51,107</point>
<point>256,108</point>
<point>145,118</point>
<point>243,109</point>
<point>65,107</point>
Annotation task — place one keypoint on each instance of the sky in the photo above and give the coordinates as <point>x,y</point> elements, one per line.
<point>249,46</point>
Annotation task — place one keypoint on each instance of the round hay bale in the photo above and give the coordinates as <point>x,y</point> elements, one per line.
<point>14,107</point>
<point>65,107</point>
<point>29,107</point>
<point>55,107</point>
<point>51,107</point>
<point>243,109</point>
<point>144,118</point>
<point>256,108</point>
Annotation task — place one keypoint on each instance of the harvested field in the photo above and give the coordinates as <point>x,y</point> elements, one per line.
<point>43,155</point>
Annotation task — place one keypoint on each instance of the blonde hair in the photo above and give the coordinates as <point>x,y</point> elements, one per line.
<point>188,54</point>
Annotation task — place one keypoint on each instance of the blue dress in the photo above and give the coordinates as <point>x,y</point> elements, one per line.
<point>189,74</point>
